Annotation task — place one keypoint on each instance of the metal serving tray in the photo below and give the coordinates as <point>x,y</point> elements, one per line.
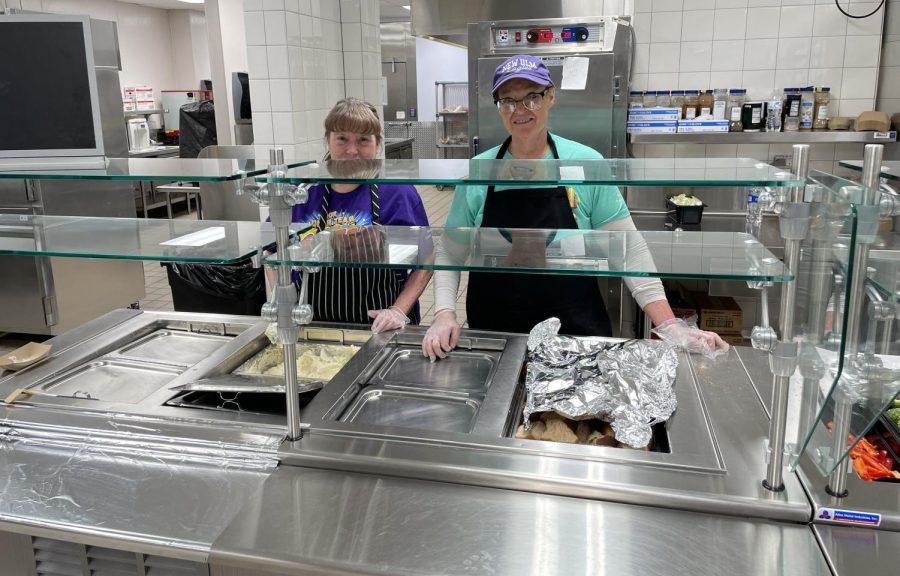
<point>462,371</point>
<point>119,381</point>
<point>173,347</point>
<point>408,409</point>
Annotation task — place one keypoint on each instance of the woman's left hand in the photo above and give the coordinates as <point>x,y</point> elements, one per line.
<point>388,319</point>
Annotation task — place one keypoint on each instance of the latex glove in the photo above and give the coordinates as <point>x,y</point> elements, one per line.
<point>442,336</point>
<point>388,319</point>
<point>691,339</point>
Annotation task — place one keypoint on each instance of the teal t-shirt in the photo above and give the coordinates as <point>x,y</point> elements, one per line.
<point>594,206</point>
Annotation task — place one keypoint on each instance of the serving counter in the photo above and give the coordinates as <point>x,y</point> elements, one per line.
<point>393,465</point>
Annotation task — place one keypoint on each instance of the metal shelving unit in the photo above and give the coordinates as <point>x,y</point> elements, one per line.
<point>451,101</point>
<point>830,137</point>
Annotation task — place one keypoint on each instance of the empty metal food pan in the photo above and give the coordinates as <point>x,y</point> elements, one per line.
<point>111,381</point>
<point>174,347</point>
<point>460,371</point>
<point>406,409</point>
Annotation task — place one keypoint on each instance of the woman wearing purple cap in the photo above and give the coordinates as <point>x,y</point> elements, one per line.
<point>524,94</point>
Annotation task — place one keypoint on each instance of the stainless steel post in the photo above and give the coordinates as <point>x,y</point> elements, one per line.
<point>284,295</point>
<point>837,484</point>
<point>781,382</point>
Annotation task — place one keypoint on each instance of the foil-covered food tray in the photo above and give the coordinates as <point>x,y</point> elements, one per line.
<point>629,384</point>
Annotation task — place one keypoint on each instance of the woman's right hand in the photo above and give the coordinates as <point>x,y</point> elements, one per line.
<point>442,336</point>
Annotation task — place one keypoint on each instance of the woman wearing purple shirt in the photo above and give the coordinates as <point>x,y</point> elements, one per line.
<point>387,298</point>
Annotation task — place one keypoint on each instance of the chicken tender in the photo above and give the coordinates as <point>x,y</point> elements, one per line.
<point>599,439</point>
<point>583,431</point>
<point>538,430</point>
<point>558,431</point>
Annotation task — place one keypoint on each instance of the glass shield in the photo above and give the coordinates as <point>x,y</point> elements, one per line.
<point>821,314</point>
<point>542,173</point>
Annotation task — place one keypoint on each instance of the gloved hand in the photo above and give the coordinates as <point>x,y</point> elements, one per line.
<point>442,336</point>
<point>388,319</point>
<point>691,339</point>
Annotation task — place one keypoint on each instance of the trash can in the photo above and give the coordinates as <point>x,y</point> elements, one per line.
<point>219,288</point>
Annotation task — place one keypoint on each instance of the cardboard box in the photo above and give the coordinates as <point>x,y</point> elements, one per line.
<point>652,127</point>
<point>720,314</point>
<point>697,126</point>
<point>735,339</point>
<point>653,114</point>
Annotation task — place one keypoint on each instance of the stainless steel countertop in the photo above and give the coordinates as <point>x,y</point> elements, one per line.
<point>395,143</point>
<point>854,552</point>
<point>320,522</point>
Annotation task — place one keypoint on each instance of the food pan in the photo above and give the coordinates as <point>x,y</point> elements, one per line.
<point>111,381</point>
<point>173,347</point>
<point>408,409</point>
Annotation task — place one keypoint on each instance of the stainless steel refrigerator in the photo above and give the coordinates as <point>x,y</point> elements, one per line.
<point>594,114</point>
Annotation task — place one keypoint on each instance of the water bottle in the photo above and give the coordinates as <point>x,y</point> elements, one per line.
<point>754,212</point>
<point>773,112</point>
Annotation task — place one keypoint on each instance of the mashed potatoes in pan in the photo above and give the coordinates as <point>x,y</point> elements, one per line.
<point>314,361</point>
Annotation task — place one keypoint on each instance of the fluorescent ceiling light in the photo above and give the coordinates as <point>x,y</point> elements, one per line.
<point>406,6</point>
<point>192,1</point>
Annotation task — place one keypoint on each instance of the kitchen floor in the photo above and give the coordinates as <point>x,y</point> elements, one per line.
<point>437,205</point>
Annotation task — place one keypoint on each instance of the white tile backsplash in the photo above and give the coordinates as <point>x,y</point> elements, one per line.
<point>793,53</point>
<point>693,80</point>
<point>756,151</point>
<point>257,62</point>
<point>259,91</point>
<point>255,28</point>
<point>273,4</point>
<point>351,33</point>
<point>292,25</point>
<point>854,107</point>
<point>831,77</point>
<point>730,79</point>
<point>662,81</point>
<point>730,24</point>
<point>763,22</point>
<point>350,11</point>
<point>859,83</point>
<point>695,57</point>
<point>798,77</point>
<point>641,59</point>
<point>666,27</point>
<point>759,83</point>
<point>827,52</point>
<point>667,5</point>
<point>728,55</point>
<point>761,3</point>
<point>867,26</point>
<point>828,21</point>
<point>279,66</point>
<point>862,51</point>
<point>796,21</point>
<point>760,54</point>
<point>664,57</point>
<point>640,82</point>
<point>353,69</point>
<point>262,128</point>
<point>280,92</point>
<point>697,25</point>
<point>722,4</point>
<point>276,32</point>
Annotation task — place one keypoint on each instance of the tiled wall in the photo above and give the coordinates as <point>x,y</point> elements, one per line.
<point>758,45</point>
<point>303,56</point>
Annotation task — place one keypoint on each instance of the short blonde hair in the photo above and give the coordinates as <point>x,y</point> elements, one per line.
<point>353,115</point>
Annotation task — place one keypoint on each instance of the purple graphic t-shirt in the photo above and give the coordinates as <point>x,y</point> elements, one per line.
<point>400,206</point>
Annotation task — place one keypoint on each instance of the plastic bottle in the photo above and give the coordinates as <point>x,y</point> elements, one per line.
<point>689,110</point>
<point>823,100</point>
<point>790,112</point>
<point>773,112</point>
<point>705,103</point>
<point>663,99</point>
<point>720,103</point>
<point>754,212</point>
<point>677,98</point>
<point>807,107</point>
<point>636,99</point>
<point>736,98</point>
<point>650,99</point>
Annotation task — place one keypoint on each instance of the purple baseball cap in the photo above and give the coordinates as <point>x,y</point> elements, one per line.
<point>521,66</point>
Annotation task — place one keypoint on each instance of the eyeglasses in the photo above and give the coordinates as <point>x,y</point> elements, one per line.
<point>532,101</point>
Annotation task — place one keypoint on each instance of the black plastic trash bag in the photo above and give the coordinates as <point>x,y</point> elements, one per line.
<point>219,288</point>
<point>197,125</point>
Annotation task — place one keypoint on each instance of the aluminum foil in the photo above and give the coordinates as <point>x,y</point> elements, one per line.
<point>629,384</point>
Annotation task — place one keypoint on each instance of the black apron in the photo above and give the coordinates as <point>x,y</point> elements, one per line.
<point>347,294</point>
<point>516,302</point>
